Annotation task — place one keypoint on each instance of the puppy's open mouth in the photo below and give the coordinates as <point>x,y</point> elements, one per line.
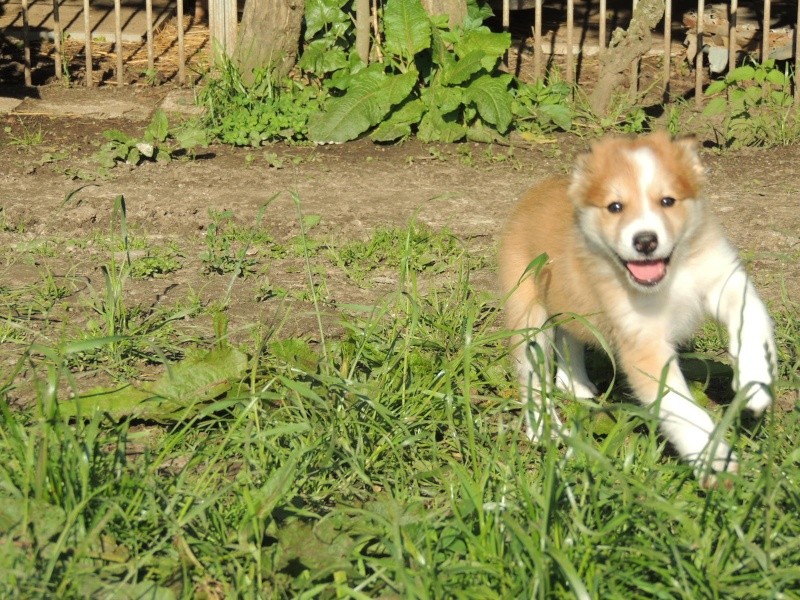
<point>647,272</point>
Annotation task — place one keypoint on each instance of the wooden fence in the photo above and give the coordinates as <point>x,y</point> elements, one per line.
<point>712,30</point>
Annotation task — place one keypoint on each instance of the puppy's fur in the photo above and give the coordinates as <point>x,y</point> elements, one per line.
<point>632,248</point>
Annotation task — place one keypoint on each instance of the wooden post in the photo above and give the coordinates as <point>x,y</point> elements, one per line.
<point>506,25</point>
<point>87,31</point>
<point>118,44</point>
<point>222,20</point>
<point>797,56</point>
<point>602,30</point>
<point>57,40</point>
<point>634,66</point>
<point>698,60</point>
<point>732,15</point>
<point>667,46</point>
<point>765,30</point>
<point>362,30</point>
<point>26,45</point>
<point>181,46</point>
<point>151,56</point>
<point>537,40</point>
<point>570,32</point>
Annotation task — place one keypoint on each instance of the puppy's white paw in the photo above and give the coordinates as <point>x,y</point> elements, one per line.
<point>716,458</point>
<point>580,389</point>
<point>759,398</point>
<point>535,426</point>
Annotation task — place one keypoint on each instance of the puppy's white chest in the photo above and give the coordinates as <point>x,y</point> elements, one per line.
<point>673,314</point>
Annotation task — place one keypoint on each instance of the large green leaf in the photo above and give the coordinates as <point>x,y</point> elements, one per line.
<point>560,114</point>
<point>399,123</point>
<point>321,13</point>
<point>436,127</point>
<point>441,54</point>
<point>183,389</point>
<point>444,99</point>
<point>462,70</point>
<point>158,129</point>
<point>320,58</point>
<point>407,28</point>
<point>491,44</point>
<point>492,99</point>
<point>369,97</point>
<point>202,377</point>
<point>478,132</point>
<point>716,106</point>
<point>743,73</point>
<point>777,77</point>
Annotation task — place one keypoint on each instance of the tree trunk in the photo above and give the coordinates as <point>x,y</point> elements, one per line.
<point>625,47</point>
<point>269,36</point>
<point>456,10</point>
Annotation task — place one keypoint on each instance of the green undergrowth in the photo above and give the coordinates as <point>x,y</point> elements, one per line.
<point>753,105</point>
<point>387,460</point>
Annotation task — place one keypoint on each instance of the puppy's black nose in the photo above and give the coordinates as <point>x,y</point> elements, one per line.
<point>645,242</point>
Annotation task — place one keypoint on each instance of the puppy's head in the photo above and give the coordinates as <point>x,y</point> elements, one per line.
<point>637,199</point>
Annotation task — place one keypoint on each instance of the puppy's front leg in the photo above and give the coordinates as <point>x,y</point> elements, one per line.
<point>734,302</point>
<point>653,372</point>
<point>532,355</point>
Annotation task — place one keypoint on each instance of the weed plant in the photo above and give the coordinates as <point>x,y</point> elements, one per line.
<point>388,460</point>
<point>252,114</point>
<point>27,138</point>
<point>158,143</point>
<point>754,106</point>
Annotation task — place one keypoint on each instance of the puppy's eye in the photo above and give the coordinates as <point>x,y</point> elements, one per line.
<point>667,201</point>
<point>614,207</point>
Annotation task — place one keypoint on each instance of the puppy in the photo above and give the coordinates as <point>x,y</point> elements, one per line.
<point>628,251</point>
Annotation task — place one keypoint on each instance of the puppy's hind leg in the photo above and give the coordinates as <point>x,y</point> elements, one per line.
<point>571,373</point>
<point>532,352</point>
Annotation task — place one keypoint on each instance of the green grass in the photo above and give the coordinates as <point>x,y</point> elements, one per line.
<point>387,461</point>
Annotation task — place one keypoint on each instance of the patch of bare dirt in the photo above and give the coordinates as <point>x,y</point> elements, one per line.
<point>353,188</point>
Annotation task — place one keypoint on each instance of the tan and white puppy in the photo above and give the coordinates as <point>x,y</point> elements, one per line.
<point>633,248</point>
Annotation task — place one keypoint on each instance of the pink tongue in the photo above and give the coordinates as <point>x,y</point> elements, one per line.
<point>649,271</point>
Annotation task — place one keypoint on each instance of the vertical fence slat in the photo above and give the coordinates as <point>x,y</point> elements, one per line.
<point>57,40</point>
<point>151,57</point>
<point>667,46</point>
<point>698,60</point>
<point>87,31</point>
<point>765,30</point>
<point>635,63</point>
<point>797,56</point>
<point>118,45</point>
<point>733,13</point>
<point>223,24</point>
<point>362,30</point>
<point>182,44</point>
<point>506,25</point>
<point>570,27</point>
<point>26,44</point>
<point>602,29</point>
<point>537,40</point>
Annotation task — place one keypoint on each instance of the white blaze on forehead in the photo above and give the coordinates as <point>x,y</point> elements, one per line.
<point>646,168</point>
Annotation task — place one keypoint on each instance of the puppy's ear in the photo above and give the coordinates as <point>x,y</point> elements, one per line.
<point>689,149</point>
<point>579,178</point>
<point>581,167</point>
